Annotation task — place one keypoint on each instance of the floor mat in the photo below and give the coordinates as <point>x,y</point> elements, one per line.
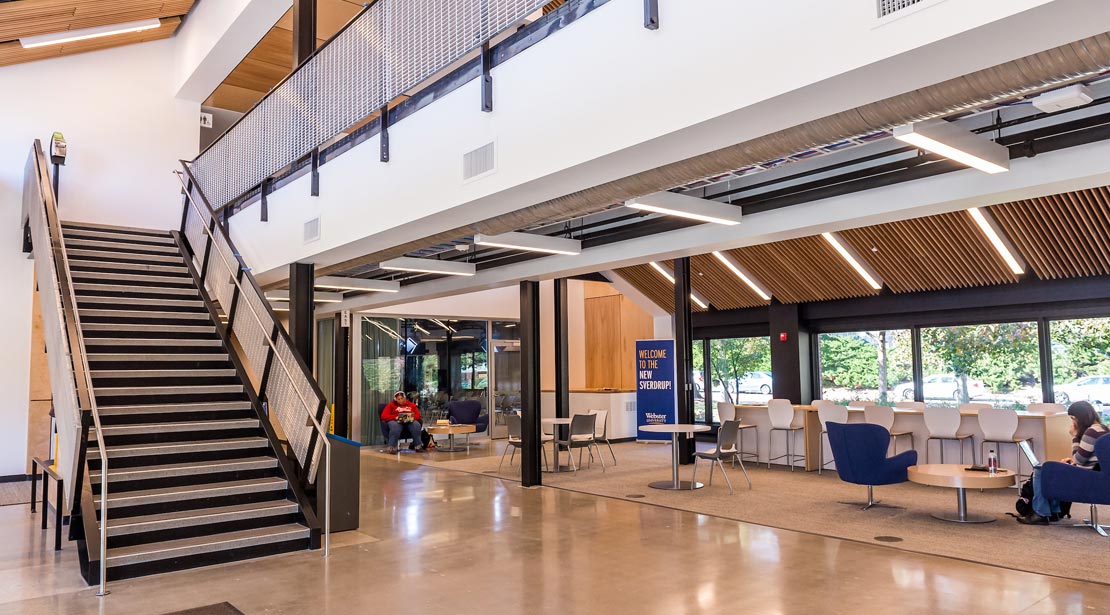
<point>15,493</point>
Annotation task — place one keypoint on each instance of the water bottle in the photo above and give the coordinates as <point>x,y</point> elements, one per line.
<point>992,462</point>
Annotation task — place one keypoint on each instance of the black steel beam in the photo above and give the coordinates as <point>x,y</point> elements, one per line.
<point>918,366</point>
<point>683,358</point>
<point>651,14</point>
<point>562,362</point>
<point>341,379</point>
<point>487,78</point>
<point>304,30</point>
<point>383,134</point>
<point>315,189</point>
<point>1044,334</point>
<point>530,470</point>
<point>302,278</point>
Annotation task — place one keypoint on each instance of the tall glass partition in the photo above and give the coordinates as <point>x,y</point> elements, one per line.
<point>1081,362</point>
<point>994,363</point>
<point>505,358</point>
<point>874,367</point>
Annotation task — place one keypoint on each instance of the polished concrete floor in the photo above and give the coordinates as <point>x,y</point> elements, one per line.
<point>462,543</point>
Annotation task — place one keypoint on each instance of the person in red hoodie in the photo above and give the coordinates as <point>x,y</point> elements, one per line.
<point>400,415</point>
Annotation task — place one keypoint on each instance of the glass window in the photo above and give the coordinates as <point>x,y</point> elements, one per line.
<point>325,358</point>
<point>997,363</point>
<point>1081,362</point>
<point>506,374</point>
<point>741,369</point>
<point>698,377</point>
<point>867,366</point>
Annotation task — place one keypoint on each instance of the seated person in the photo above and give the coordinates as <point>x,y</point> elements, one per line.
<point>398,416</point>
<point>1086,427</point>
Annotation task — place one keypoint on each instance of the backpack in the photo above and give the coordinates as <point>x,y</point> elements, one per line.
<point>1024,504</point>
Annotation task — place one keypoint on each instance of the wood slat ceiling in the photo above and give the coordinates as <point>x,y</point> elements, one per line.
<point>934,253</point>
<point>21,18</point>
<point>651,284</point>
<point>800,270</point>
<point>719,285</point>
<point>1060,236</point>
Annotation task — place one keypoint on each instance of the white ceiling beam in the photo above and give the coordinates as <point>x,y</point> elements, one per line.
<point>340,283</point>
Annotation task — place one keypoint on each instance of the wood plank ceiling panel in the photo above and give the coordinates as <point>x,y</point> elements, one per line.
<point>33,17</point>
<point>12,52</point>
<point>718,284</point>
<point>939,252</point>
<point>802,270</point>
<point>1064,235</point>
<point>650,284</point>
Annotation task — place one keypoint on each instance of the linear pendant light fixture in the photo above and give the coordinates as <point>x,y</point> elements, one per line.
<point>951,141</point>
<point>873,280</point>
<point>339,283</point>
<point>682,206</point>
<point>743,274</point>
<point>530,242</point>
<point>695,296</point>
<point>283,295</point>
<point>69,36</point>
<point>998,239</point>
<point>428,265</point>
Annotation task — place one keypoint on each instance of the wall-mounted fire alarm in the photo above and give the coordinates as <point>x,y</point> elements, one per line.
<point>782,336</point>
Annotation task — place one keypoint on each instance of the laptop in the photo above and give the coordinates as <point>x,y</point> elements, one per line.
<point>1027,448</point>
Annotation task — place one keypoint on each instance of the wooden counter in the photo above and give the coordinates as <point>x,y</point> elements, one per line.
<point>1049,432</point>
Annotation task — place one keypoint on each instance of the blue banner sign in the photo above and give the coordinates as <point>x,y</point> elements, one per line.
<point>655,387</point>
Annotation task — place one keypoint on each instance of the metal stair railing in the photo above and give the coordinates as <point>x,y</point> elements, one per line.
<point>288,387</point>
<point>70,380</point>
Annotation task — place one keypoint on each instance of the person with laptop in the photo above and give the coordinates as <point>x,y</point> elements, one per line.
<point>1086,427</point>
<point>398,416</point>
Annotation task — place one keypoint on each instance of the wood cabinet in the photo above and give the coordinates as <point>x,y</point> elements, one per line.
<point>613,324</point>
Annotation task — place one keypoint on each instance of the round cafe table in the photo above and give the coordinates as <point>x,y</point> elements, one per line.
<point>450,431</point>
<point>674,429</point>
<point>556,422</point>
<point>958,477</point>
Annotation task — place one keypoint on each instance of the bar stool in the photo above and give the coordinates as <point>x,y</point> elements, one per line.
<point>999,426</point>
<point>944,424</point>
<point>1044,408</point>
<point>726,411</point>
<point>828,412</point>
<point>884,416</point>
<point>781,413</point>
<point>910,405</point>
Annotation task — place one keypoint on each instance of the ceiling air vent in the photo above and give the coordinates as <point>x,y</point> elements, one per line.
<point>479,162</point>
<point>312,230</point>
<point>889,7</point>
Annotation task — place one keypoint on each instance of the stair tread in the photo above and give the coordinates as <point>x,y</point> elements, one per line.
<point>274,506</point>
<point>161,373</point>
<point>120,312</point>
<point>214,406</point>
<point>87,233</point>
<point>137,450</point>
<point>130,230</point>
<point>114,473</point>
<point>176,389</point>
<point>154,356</point>
<point>119,245</point>
<point>205,544</point>
<point>261,484</point>
<point>149,341</point>
<point>183,426</point>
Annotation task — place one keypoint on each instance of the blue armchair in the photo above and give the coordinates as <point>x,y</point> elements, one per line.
<point>1068,483</point>
<point>468,412</point>
<point>859,450</point>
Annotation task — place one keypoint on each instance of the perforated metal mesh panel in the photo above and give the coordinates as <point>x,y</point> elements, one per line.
<point>393,46</point>
<point>886,7</point>
<point>288,392</point>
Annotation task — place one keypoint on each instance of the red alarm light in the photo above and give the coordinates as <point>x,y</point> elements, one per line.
<point>782,336</point>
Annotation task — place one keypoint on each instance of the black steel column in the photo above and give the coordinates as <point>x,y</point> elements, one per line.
<point>708,377</point>
<point>341,379</point>
<point>683,357</point>
<point>1044,335</point>
<point>918,368</point>
<point>302,277</point>
<point>562,362</point>
<point>304,30</point>
<point>791,354</point>
<point>530,471</point>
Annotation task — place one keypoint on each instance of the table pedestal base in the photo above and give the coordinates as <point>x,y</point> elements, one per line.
<point>683,485</point>
<point>560,470</point>
<point>962,516</point>
<point>451,448</point>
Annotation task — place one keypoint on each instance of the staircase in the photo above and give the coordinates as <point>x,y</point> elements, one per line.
<point>194,478</point>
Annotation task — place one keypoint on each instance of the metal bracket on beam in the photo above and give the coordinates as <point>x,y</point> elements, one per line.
<point>263,189</point>
<point>384,133</point>
<point>315,172</point>
<point>651,14</point>
<point>487,78</point>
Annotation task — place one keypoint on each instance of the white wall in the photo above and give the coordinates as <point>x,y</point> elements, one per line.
<point>126,133</point>
<point>495,304</point>
<point>715,74</point>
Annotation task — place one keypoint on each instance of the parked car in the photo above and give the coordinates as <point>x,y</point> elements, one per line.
<point>756,382</point>
<point>699,388</point>
<point>1091,388</point>
<point>942,386</point>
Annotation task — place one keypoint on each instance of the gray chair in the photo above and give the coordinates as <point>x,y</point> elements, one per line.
<point>828,412</point>
<point>603,427</point>
<point>725,450</point>
<point>512,422</point>
<point>726,411</point>
<point>581,436</point>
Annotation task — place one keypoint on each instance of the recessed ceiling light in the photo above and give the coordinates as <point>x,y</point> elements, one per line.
<point>530,242</point>
<point>428,265</point>
<point>682,206</point>
<point>69,36</point>
<point>994,235</point>
<point>743,274</point>
<point>853,259</point>
<point>951,141</point>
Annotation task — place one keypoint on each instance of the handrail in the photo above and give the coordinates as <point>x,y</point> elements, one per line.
<point>276,354</point>
<point>69,306</point>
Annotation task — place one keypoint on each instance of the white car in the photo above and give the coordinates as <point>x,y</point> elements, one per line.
<point>1091,388</point>
<point>699,388</point>
<point>942,386</point>
<point>756,382</point>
